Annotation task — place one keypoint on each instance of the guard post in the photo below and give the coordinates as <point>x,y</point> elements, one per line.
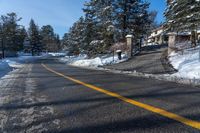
<point>129,41</point>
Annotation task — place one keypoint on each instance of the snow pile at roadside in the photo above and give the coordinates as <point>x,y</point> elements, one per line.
<point>4,68</point>
<point>151,44</point>
<point>70,59</point>
<point>187,63</point>
<point>88,62</point>
<point>8,64</point>
<point>58,54</point>
<point>98,61</point>
<point>3,65</point>
<point>17,62</point>
<point>43,54</point>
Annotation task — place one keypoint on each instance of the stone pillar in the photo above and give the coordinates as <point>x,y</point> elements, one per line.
<point>171,42</point>
<point>129,41</point>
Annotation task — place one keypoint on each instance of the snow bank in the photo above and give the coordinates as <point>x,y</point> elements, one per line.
<point>17,62</point>
<point>3,65</point>
<point>187,63</point>
<point>98,61</point>
<point>58,54</point>
<point>4,68</point>
<point>70,59</point>
<point>151,44</point>
<point>88,62</point>
<point>9,64</point>
<point>110,60</point>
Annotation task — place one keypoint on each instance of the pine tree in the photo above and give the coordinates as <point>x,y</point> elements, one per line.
<point>13,33</point>
<point>99,25</point>
<point>179,20</point>
<point>49,38</point>
<point>131,17</point>
<point>75,40</point>
<point>91,32</point>
<point>20,37</point>
<point>104,11</point>
<point>107,22</point>
<point>65,40</point>
<point>58,42</point>
<point>35,38</point>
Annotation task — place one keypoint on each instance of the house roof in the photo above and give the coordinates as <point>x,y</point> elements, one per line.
<point>159,28</point>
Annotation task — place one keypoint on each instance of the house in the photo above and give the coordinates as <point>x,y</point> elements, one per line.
<point>158,36</point>
<point>180,40</point>
<point>175,40</point>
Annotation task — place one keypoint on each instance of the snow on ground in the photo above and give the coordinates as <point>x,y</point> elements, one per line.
<point>57,54</point>
<point>187,63</point>
<point>71,59</point>
<point>16,62</point>
<point>4,68</point>
<point>151,44</point>
<point>83,61</point>
<point>8,64</point>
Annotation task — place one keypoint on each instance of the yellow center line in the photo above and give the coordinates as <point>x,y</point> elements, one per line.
<point>162,112</point>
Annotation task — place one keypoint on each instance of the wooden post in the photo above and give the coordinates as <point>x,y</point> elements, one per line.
<point>129,41</point>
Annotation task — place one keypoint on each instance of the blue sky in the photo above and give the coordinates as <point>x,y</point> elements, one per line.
<point>61,14</point>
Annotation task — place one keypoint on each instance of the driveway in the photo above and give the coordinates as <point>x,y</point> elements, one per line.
<point>151,60</point>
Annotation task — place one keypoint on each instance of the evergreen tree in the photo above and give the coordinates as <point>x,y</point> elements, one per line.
<point>49,38</point>
<point>58,42</point>
<point>20,37</point>
<point>131,17</point>
<point>106,22</point>
<point>35,38</point>
<point>99,25</point>
<point>105,19</point>
<point>13,34</point>
<point>90,32</point>
<point>65,40</point>
<point>75,40</point>
<point>183,20</point>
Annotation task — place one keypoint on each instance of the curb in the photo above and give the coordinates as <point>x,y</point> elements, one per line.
<point>162,77</point>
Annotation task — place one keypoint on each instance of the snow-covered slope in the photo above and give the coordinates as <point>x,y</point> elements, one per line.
<point>187,63</point>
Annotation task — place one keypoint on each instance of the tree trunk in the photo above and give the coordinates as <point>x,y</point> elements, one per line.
<point>2,47</point>
<point>193,38</point>
<point>32,51</point>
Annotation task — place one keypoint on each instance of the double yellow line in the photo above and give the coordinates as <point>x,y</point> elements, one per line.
<point>162,112</point>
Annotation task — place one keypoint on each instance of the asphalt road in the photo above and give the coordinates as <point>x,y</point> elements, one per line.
<point>149,60</point>
<point>61,98</point>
